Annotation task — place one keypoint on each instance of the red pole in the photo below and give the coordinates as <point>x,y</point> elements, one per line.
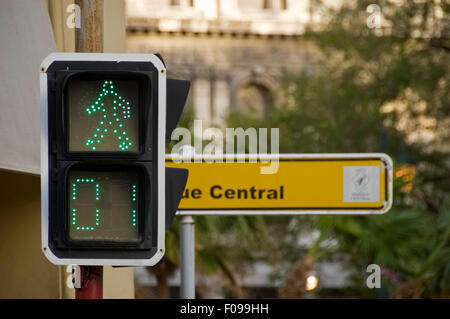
<point>91,283</point>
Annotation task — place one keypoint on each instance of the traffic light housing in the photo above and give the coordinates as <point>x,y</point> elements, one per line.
<point>106,193</point>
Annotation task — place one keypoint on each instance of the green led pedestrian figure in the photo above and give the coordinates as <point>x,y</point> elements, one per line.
<point>111,120</point>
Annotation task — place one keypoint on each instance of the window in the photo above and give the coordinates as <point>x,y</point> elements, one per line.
<point>255,100</point>
<point>267,4</point>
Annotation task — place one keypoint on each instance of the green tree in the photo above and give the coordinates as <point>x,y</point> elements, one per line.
<point>382,89</point>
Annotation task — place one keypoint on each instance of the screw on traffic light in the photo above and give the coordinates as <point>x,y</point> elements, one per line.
<point>107,197</point>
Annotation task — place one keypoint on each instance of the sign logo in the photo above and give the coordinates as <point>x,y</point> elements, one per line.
<point>361,179</point>
<point>361,184</point>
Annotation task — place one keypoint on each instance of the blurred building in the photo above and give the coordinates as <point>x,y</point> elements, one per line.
<point>235,52</point>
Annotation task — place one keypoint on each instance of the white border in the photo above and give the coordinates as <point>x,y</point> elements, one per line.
<point>385,160</point>
<point>151,58</point>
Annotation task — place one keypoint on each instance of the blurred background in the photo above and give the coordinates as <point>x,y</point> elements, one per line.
<point>334,76</point>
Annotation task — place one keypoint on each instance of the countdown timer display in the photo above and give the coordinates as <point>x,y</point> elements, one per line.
<point>102,115</point>
<point>103,205</point>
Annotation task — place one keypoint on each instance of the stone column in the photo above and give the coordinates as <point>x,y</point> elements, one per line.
<point>221,102</point>
<point>202,100</point>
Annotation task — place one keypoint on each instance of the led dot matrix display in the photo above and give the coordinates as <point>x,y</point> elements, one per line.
<point>103,115</point>
<point>103,205</point>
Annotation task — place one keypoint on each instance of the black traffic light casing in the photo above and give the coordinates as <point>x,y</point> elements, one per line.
<point>106,193</point>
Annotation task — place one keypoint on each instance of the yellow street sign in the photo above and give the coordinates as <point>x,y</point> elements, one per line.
<point>299,184</point>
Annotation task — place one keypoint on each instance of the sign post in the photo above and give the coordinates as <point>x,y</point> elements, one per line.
<point>187,241</point>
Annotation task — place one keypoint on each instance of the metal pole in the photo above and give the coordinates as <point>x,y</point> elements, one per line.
<point>89,38</point>
<point>187,244</point>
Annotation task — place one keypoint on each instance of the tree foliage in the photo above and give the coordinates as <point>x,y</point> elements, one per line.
<point>383,89</point>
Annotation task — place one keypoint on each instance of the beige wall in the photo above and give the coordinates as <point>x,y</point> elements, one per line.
<point>114,26</point>
<point>24,271</point>
<point>64,36</point>
<point>118,283</point>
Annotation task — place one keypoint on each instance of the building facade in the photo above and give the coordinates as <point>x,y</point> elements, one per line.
<point>234,52</point>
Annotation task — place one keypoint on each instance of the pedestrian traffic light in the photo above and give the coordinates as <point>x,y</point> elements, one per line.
<point>107,197</point>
